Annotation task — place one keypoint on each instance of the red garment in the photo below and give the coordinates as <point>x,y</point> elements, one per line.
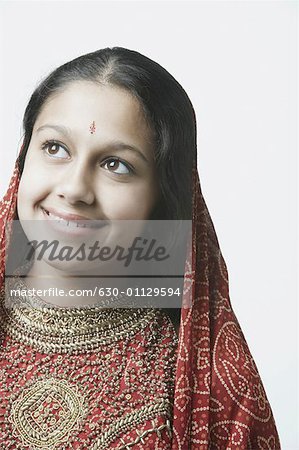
<point>219,399</point>
<point>103,390</point>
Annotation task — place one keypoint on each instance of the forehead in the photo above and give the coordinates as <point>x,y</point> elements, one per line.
<point>112,108</point>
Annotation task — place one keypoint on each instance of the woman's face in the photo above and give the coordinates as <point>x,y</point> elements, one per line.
<point>91,155</point>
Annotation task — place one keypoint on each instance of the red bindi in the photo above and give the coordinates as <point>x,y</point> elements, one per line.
<point>92,128</point>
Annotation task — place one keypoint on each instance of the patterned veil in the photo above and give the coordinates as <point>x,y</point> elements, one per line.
<point>219,399</point>
<point>219,402</point>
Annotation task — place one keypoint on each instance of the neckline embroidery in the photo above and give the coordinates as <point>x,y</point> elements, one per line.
<point>52,329</point>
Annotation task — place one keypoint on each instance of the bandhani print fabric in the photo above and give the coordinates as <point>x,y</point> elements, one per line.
<point>219,400</point>
<point>146,388</point>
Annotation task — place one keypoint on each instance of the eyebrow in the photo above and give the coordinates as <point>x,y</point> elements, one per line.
<point>60,128</point>
<point>115,145</point>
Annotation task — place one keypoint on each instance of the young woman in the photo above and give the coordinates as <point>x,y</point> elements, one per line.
<point>111,136</point>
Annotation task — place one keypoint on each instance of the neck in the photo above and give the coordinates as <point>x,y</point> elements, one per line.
<point>59,289</point>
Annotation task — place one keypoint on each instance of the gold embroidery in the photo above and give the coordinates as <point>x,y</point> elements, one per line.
<point>135,418</point>
<point>85,377</point>
<point>47,412</point>
<point>68,330</point>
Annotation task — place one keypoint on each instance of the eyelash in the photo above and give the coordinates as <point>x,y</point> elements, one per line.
<point>47,144</point>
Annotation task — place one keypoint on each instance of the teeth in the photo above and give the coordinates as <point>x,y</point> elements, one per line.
<point>67,223</point>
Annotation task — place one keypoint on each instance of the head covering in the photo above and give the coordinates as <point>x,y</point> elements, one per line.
<point>219,399</point>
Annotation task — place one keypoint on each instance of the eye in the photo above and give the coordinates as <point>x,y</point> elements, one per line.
<point>115,165</point>
<point>55,150</point>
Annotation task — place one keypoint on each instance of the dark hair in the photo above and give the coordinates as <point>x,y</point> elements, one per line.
<point>167,110</point>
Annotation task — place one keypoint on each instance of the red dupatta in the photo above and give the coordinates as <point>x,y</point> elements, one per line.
<point>219,399</point>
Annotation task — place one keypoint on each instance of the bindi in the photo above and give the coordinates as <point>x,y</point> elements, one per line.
<point>92,127</point>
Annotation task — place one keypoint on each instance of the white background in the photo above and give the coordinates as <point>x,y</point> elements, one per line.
<point>237,62</point>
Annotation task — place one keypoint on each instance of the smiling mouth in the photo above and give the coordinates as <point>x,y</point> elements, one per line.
<point>74,224</point>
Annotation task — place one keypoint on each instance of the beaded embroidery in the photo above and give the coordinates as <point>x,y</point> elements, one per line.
<point>96,379</point>
<point>45,414</point>
<point>67,330</point>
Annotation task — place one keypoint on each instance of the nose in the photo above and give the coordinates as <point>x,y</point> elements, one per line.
<point>76,186</point>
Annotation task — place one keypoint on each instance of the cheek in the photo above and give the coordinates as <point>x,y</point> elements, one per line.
<point>31,190</point>
<point>129,201</point>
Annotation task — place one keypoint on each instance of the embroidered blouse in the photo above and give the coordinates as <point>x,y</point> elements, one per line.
<point>85,378</point>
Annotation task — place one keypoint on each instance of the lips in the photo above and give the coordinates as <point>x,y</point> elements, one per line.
<point>71,220</point>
